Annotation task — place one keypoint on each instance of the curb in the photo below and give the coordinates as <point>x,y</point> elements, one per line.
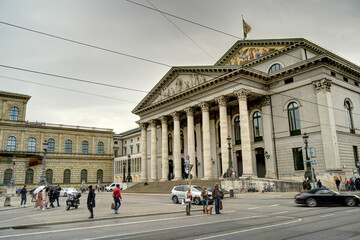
<point>91,220</point>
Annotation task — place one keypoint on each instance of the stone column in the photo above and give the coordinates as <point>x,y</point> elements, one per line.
<point>206,140</point>
<point>164,149</point>
<point>143,152</point>
<point>176,147</point>
<point>153,170</point>
<point>267,137</point>
<point>327,124</point>
<point>191,139</point>
<point>248,169</point>
<point>223,133</point>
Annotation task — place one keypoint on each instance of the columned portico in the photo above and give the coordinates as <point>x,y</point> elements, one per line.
<point>164,149</point>
<point>177,150</point>
<point>248,169</point>
<point>223,133</point>
<point>191,139</point>
<point>206,140</point>
<point>153,176</point>
<point>143,152</point>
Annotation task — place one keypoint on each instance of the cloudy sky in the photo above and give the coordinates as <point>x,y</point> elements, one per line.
<point>128,28</point>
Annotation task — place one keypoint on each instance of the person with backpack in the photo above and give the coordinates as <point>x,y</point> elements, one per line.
<point>91,201</point>
<point>117,197</point>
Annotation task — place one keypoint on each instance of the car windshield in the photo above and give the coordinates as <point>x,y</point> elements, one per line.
<point>197,188</point>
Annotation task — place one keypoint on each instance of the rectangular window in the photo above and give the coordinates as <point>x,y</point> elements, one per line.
<point>138,148</point>
<point>287,81</point>
<point>356,83</point>
<point>124,151</point>
<point>333,74</point>
<point>356,155</point>
<point>298,159</point>
<point>345,79</point>
<point>131,150</point>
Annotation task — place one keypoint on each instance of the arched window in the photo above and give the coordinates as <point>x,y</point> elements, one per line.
<point>11,144</point>
<point>99,176</point>
<point>275,67</point>
<point>85,147</point>
<point>349,116</point>
<point>68,146</point>
<point>51,145</point>
<point>32,145</point>
<point>182,144</point>
<point>257,125</point>
<point>100,148</point>
<point>84,176</point>
<point>29,177</point>
<point>14,113</point>
<point>219,134</point>
<point>294,119</point>
<point>170,143</point>
<point>7,176</point>
<point>49,176</point>
<point>67,176</point>
<point>237,130</point>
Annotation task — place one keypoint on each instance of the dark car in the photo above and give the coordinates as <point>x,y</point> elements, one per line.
<point>324,196</point>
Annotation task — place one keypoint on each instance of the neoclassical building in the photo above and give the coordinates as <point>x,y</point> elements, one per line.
<point>75,154</point>
<point>264,95</point>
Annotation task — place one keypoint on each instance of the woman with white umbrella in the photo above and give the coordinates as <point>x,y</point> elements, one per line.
<point>39,200</point>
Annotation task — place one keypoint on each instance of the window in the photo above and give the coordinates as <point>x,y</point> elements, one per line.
<point>131,150</point>
<point>131,140</point>
<point>275,67</point>
<point>85,147</point>
<point>124,151</point>
<point>84,176</point>
<point>345,79</point>
<point>182,144</point>
<point>115,142</point>
<point>257,125</point>
<point>170,144</point>
<point>356,83</point>
<point>356,156</point>
<point>100,148</point>
<point>49,176</point>
<point>138,138</point>
<point>294,119</point>
<point>237,130</point>
<point>349,116</point>
<point>298,159</point>
<point>67,176</point>
<point>7,176</point>
<point>287,81</point>
<point>115,152</point>
<point>51,145</point>
<point>68,146</point>
<point>99,176</point>
<point>11,144</point>
<point>333,74</point>
<point>14,113</point>
<point>29,176</point>
<point>125,142</point>
<point>138,148</point>
<point>32,145</point>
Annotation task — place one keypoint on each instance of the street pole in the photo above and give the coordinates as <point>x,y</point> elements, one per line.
<point>309,166</point>
<point>124,169</point>
<point>43,177</point>
<point>12,180</point>
<point>129,178</point>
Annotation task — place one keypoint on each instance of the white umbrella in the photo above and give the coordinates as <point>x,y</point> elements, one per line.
<point>39,189</point>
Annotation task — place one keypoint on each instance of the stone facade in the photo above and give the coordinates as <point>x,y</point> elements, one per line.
<point>264,95</point>
<point>94,159</point>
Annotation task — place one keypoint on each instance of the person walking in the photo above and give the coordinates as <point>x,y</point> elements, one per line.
<point>337,181</point>
<point>319,184</point>
<point>205,196</point>
<point>57,194</point>
<point>304,185</point>
<point>216,193</point>
<point>188,201</point>
<point>117,198</point>
<point>40,201</point>
<point>23,193</point>
<point>346,184</point>
<point>52,198</point>
<point>91,201</point>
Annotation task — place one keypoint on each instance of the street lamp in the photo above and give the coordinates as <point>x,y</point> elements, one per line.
<point>309,169</point>
<point>43,177</point>
<point>129,178</point>
<point>12,180</point>
<point>229,171</point>
<point>124,169</point>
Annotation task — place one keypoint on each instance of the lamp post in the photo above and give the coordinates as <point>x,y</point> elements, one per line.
<point>43,177</point>
<point>309,169</point>
<point>230,169</point>
<point>12,180</point>
<point>124,169</point>
<point>129,178</point>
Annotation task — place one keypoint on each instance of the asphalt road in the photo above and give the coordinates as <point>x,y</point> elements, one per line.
<point>240,219</point>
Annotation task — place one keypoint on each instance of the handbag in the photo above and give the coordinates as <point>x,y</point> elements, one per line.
<point>187,200</point>
<point>221,205</point>
<point>112,206</point>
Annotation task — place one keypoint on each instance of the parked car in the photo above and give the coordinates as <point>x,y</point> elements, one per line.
<point>324,196</point>
<point>112,186</point>
<point>177,194</point>
<point>67,191</point>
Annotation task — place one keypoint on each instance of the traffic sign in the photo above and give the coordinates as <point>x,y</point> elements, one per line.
<point>187,157</point>
<point>311,160</point>
<point>186,162</point>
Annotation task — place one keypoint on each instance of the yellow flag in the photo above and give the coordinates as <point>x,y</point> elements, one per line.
<point>246,28</point>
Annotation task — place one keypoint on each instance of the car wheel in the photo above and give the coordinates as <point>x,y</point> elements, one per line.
<point>197,201</point>
<point>175,199</point>
<point>350,202</point>
<point>65,194</point>
<point>311,202</point>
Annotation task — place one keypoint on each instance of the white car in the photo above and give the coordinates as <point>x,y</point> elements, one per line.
<point>112,186</point>
<point>67,191</point>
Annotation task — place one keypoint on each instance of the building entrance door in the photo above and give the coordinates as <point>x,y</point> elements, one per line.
<point>260,162</point>
<point>239,163</point>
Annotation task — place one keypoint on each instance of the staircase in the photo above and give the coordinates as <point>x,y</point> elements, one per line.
<point>165,187</point>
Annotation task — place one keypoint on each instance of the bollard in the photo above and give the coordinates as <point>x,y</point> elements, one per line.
<point>231,192</point>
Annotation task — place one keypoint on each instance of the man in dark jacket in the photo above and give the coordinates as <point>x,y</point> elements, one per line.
<point>57,194</point>
<point>216,194</point>
<point>91,201</point>
<point>23,192</point>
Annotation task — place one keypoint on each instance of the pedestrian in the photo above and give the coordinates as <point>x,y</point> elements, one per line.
<point>357,183</point>
<point>40,201</point>
<point>52,198</point>
<point>205,196</point>
<point>117,198</point>
<point>46,198</point>
<point>346,184</point>
<point>308,185</point>
<point>216,193</point>
<point>319,184</point>
<point>23,193</point>
<point>91,201</point>
<point>304,185</point>
<point>352,184</point>
<point>57,194</point>
<point>337,181</point>
<point>188,201</point>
